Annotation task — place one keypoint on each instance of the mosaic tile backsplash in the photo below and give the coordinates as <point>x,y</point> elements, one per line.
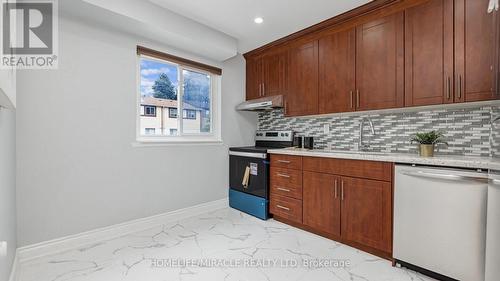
<point>468,131</point>
<point>495,132</point>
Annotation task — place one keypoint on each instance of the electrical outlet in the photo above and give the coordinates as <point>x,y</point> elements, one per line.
<point>3,248</point>
<point>326,128</point>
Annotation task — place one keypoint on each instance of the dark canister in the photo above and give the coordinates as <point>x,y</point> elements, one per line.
<point>308,142</point>
<point>297,142</point>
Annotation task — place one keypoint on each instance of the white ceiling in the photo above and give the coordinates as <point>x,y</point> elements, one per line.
<point>281,17</point>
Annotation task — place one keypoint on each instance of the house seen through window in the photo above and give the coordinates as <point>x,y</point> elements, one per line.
<point>167,88</point>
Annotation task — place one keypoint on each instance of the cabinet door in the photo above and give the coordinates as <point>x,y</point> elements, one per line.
<point>321,202</point>
<point>367,212</point>
<point>380,63</point>
<point>302,90</point>
<point>429,53</point>
<point>475,51</point>
<point>274,66</point>
<point>254,78</point>
<point>337,70</point>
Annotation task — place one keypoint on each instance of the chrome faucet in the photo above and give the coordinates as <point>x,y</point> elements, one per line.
<point>361,145</point>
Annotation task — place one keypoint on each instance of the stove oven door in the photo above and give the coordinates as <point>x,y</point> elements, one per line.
<point>249,173</point>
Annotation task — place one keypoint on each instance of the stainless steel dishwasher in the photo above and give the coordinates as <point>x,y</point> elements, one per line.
<point>493,229</point>
<point>440,221</point>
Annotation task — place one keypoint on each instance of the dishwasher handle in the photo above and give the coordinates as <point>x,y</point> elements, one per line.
<point>449,177</point>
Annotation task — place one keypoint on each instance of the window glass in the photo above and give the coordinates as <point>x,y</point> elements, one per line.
<point>166,105</point>
<point>172,113</point>
<point>196,100</point>
<point>159,92</point>
<point>149,111</point>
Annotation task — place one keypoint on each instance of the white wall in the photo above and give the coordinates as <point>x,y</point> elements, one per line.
<point>7,188</point>
<point>8,88</point>
<point>77,169</point>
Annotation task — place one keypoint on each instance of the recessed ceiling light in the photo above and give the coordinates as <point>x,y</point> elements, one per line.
<point>258,20</point>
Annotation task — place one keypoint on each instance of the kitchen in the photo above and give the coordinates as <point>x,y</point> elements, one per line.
<point>335,141</point>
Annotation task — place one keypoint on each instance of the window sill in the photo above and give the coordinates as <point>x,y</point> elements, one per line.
<point>176,142</point>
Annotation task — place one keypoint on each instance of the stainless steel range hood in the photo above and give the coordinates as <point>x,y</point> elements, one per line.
<point>262,104</point>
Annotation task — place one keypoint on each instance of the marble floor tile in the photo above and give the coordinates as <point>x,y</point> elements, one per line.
<point>225,245</point>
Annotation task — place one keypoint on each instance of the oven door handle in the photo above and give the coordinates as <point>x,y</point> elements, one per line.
<point>248,154</point>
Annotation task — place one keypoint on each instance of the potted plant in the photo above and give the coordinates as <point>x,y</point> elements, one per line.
<point>428,141</point>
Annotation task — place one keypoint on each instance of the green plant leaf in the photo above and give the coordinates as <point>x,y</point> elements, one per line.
<point>432,137</point>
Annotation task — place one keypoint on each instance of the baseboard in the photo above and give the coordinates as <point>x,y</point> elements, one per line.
<point>13,271</point>
<point>102,234</point>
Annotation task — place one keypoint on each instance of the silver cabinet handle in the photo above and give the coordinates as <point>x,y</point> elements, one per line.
<point>263,89</point>
<point>284,161</point>
<point>357,99</point>
<point>459,86</point>
<point>448,95</point>
<point>423,174</point>
<point>336,190</point>
<point>342,191</point>
<point>283,208</point>
<point>352,98</point>
<point>283,189</point>
<point>283,175</point>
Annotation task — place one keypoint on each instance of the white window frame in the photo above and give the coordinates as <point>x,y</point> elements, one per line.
<point>215,110</point>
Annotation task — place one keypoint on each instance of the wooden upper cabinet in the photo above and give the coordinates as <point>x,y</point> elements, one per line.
<point>410,53</point>
<point>380,63</point>
<point>266,74</point>
<point>302,90</point>
<point>429,53</point>
<point>321,202</point>
<point>367,212</point>
<point>475,51</point>
<point>274,73</point>
<point>253,78</point>
<point>337,72</point>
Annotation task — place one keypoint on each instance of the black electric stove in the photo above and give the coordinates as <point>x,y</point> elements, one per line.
<point>249,172</point>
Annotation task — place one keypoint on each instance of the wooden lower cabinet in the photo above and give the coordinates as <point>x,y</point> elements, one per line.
<point>341,199</point>
<point>286,207</point>
<point>367,213</point>
<point>321,202</point>
<point>286,182</point>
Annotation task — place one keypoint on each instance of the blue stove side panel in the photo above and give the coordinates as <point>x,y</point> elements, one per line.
<point>250,204</point>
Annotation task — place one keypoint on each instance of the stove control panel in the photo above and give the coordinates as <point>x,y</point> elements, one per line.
<point>274,136</point>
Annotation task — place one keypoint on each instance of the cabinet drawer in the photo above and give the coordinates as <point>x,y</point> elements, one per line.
<point>286,177</point>
<point>290,187</point>
<point>286,161</point>
<point>287,208</point>
<point>353,168</point>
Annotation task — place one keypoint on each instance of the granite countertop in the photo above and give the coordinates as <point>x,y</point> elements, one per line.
<point>438,160</point>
